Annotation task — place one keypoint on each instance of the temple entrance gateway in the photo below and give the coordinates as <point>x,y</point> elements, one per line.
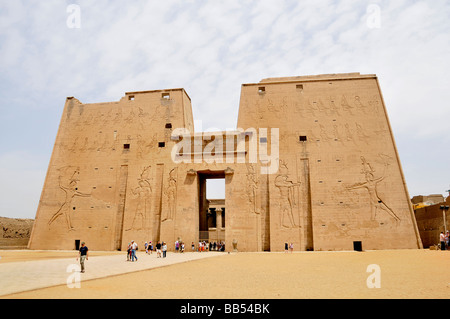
<point>212,207</point>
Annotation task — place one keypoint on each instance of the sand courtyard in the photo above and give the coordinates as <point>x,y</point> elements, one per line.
<point>405,274</point>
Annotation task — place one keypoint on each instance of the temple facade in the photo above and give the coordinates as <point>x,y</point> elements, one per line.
<point>312,162</point>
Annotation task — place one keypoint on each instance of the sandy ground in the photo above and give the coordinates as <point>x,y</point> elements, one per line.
<point>422,274</point>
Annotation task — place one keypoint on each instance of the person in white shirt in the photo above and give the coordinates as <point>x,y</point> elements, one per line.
<point>134,247</point>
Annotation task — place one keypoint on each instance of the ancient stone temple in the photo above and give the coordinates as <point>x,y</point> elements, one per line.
<point>312,162</point>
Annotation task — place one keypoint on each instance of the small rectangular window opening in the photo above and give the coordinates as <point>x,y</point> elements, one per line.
<point>162,144</point>
<point>165,96</point>
<point>169,125</point>
<point>261,90</point>
<point>302,138</point>
<point>131,97</point>
<point>126,146</point>
<point>299,87</point>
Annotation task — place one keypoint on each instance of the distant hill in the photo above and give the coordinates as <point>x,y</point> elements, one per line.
<point>15,232</point>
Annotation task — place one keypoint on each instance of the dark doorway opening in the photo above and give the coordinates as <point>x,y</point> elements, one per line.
<point>211,206</point>
<point>77,244</point>
<point>357,245</point>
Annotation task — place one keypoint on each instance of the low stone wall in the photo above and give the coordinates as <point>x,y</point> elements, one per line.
<point>15,232</point>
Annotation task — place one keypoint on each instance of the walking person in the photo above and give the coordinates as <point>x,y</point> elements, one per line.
<point>129,252</point>
<point>164,249</point>
<point>291,247</point>
<point>158,250</point>
<point>442,239</point>
<point>177,246</point>
<point>146,247</point>
<point>151,247</point>
<point>134,247</point>
<point>193,246</point>
<point>83,255</point>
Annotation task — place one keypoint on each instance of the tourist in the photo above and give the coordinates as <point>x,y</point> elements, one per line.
<point>291,247</point>
<point>193,246</point>
<point>177,246</point>
<point>158,250</point>
<point>182,247</point>
<point>83,255</point>
<point>164,249</point>
<point>134,247</point>
<point>442,239</point>
<point>150,247</point>
<point>146,247</point>
<point>129,252</point>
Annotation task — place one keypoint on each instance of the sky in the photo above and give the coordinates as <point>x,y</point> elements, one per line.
<point>96,50</point>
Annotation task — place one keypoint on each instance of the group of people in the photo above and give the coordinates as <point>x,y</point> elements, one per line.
<point>161,248</point>
<point>207,246</point>
<point>445,240</point>
<point>131,251</point>
<point>288,247</point>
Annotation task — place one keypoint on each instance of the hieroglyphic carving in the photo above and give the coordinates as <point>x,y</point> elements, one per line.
<point>360,105</point>
<point>324,109</point>
<point>345,105</point>
<point>73,147</point>
<point>370,185</point>
<point>324,134</point>
<point>130,118</point>
<point>252,186</point>
<point>349,134</point>
<point>337,134</point>
<point>171,195</point>
<point>118,116</point>
<point>143,193</point>
<point>362,135</point>
<point>333,107</point>
<point>71,191</point>
<point>287,199</point>
<point>374,105</point>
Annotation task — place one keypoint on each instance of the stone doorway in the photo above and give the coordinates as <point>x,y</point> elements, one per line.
<point>211,208</point>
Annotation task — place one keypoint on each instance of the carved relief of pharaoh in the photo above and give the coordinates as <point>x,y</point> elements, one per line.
<point>252,186</point>
<point>170,193</point>
<point>71,191</point>
<point>370,184</point>
<point>143,193</point>
<point>287,196</point>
